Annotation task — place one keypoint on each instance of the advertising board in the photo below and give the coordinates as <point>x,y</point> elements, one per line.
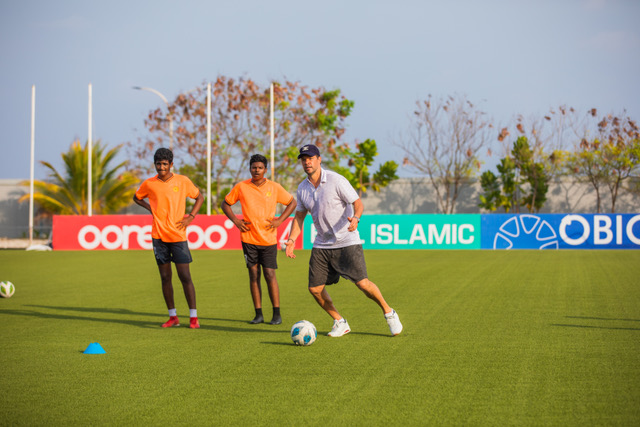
<point>110,232</point>
<point>418,231</point>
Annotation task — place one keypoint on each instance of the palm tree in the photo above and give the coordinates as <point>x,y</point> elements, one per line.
<point>67,195</point>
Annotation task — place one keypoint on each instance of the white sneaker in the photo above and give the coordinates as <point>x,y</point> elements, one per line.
<point>340,328</point>
<point>394,322</point>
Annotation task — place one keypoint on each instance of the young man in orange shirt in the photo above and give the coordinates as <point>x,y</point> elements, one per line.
<point>167,193</point>
<point>258,230</point>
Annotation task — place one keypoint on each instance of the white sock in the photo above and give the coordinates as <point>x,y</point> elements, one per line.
<point>173,312</point>
<point>193,312</point>
<point>389,314</point>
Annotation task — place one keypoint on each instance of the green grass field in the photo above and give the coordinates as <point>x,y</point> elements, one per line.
<point>491,338</point>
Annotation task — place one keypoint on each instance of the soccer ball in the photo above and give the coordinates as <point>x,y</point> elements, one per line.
<point>303,333</point>
<point>7,289</point>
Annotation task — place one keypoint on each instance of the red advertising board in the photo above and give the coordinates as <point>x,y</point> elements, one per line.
<point>122,232</point>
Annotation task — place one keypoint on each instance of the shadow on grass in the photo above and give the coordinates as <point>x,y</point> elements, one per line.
<point>616,328</point>
<point>370,333</point>
<point>325,333</point>
<point>373,334</point>
<point>601,318</point>
<point>286,344</point>
<point>595,327</point>
<point>262,327</point>
<point>138,323</point>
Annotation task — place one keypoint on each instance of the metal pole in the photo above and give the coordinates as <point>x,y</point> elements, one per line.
<point>33,144</point>
<point>169,113</point>
<point>272,127</point>
<point>208,148</point>
<point>90,157</point>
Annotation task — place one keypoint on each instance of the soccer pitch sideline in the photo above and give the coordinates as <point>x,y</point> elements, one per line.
<point>490,338</point>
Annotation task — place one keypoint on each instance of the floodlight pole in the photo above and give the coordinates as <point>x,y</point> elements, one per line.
<point>33,143</point>
<point>208,148</point>
<point>271,131</point>
<point>169,113</point>
<point>90,157</point>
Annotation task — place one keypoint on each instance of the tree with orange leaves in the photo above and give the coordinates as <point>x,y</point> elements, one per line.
<point>240,127</point>
<point>608,160</point>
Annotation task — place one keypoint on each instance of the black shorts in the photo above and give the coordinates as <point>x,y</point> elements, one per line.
<point>165,252</point>
<point>327,265</point>
<point>266,256</point>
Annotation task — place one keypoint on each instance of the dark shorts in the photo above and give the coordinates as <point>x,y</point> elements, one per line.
<point>327,265</point>
<point>266,256</point>
<point>165,252</point>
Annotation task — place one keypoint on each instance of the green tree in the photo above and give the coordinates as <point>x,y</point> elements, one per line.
<point>361,160</point>
<point>522,181</point>
<point>621,152</point>
<point>240,127</point>
<point>499,191</point>
<point>608,160</point>
<point>66,193</point>
<point>532,178</point>
<point>587,164</point>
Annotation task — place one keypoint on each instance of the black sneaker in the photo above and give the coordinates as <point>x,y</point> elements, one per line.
<point>257,319</point>
<point>277,320</point>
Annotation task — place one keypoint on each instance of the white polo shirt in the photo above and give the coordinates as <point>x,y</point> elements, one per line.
<point>329,205</point>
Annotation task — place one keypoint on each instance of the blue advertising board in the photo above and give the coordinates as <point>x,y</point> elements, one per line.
<point>561,231</point>
<point>494,231</point>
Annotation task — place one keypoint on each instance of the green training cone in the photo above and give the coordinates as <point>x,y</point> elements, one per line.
<point>94,348</point>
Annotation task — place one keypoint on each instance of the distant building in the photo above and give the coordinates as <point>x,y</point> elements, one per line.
<point>14,216</point>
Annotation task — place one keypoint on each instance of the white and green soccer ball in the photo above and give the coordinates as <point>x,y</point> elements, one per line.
<point>6,289</point>
<point>303,333</point>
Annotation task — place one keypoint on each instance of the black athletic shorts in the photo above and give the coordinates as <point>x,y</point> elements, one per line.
<point>165,252</point>
<point>327,265</point>
<point>266,256</point>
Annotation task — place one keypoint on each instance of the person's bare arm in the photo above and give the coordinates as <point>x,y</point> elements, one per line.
<point>358,208</point>
<point>240,224</point>
<point>142,203</point>
<point>296,229</point>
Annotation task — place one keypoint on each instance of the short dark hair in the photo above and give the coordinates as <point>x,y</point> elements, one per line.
<point>258,158</point>
<point>163,154</point>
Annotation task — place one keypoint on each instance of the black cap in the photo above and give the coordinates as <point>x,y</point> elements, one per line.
<point>309,150</point>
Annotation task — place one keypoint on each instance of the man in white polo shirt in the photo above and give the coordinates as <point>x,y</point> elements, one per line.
<point>336,209</point>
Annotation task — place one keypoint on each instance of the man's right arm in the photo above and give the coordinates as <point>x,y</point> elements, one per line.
<point>142,203</point>
<point>241,225</point>
<point>296,229</point>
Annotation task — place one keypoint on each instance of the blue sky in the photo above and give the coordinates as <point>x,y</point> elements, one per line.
<point>508,56</point>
